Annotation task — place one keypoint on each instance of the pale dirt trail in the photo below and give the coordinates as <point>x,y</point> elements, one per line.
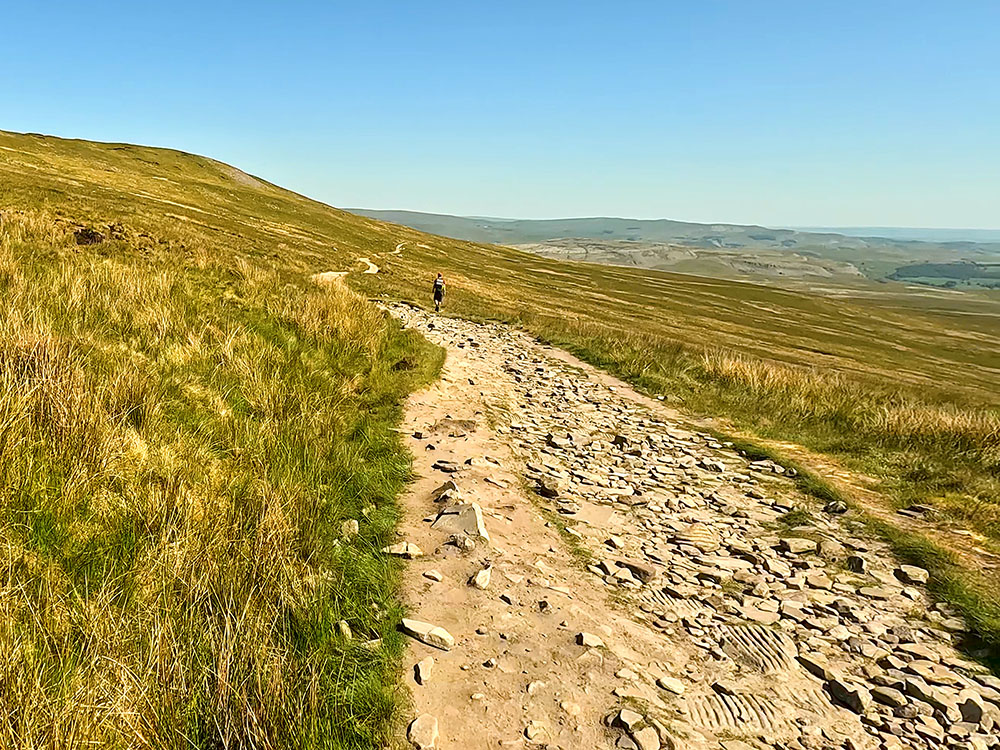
<point>520,622</point>
<point>710,628</point>
<point>331,277</point>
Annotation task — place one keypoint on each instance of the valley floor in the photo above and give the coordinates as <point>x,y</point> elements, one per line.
<point>603,575</point>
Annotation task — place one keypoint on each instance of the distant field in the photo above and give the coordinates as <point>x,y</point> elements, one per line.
<point>752,253</point>
<point>951,275</point>
<point>172,296</point>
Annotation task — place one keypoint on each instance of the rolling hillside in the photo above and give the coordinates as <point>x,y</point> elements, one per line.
<point>190,424</point>
<point>727,250</point>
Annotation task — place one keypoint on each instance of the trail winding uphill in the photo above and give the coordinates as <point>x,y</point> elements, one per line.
<point>329,277</point>
<point>589,572</point>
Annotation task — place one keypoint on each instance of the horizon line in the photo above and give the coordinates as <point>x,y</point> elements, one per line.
<point>812,227</point>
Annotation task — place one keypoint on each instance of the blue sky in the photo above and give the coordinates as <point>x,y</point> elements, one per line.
<point>781,113</point>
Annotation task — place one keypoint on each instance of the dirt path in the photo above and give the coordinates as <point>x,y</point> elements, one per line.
<point>329,277</point>
<point>675,609</point>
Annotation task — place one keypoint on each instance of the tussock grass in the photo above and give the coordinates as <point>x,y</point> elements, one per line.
<point>180,447</point>
<point>893,417</point>
<point>245,415</point>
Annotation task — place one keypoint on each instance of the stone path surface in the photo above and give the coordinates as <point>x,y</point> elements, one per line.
<point>588,572</point>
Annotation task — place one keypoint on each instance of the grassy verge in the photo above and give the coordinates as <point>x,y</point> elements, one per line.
<point>973,595</point>
<point>181,444</point>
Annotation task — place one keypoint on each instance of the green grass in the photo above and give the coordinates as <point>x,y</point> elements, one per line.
<point>796,517</point>
<point>189,420</point>
<point>181,444</point>
<point>971,592</point>
<point>973,595</point>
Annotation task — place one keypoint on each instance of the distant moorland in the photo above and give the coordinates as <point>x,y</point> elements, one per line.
<point>787,256</point>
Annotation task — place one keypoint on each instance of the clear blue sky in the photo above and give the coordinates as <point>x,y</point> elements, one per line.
<point>782,113</point>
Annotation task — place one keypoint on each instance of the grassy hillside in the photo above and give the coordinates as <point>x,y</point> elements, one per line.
<point>186,425</point>
<point>903,387</point>
<point>188,421</point>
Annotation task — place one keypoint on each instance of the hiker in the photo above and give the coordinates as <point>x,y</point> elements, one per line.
<point>438,292</point>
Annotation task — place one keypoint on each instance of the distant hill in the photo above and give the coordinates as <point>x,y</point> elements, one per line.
<point>921,234</point>
<point>523,231</point>
<point>730,250</point>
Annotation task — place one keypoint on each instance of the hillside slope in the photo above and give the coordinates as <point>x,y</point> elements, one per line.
<point>190,422</point>
<point>187,428</point>
<point>947,342</point>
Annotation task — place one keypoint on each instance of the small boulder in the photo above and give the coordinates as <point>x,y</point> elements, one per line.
<point>628,719</point>
<point>423,670</point>
<point>589,640</point>
<point>798,545</point>
<point>856,564</point>
<point>462,518</point>
<point>647,739</point>
<point>423,732</point>
<point>481,580</point>
<point>407,550</point>
<point>855,697</point>
<point>671,685</point>
<point>548,486</point>
<point>447,491</point>
<point>819,580</point>
<point>432,635</point>
<point>888,696</point>
<point>536,730</point>
<point>640,570</point>
<point>912,574</point>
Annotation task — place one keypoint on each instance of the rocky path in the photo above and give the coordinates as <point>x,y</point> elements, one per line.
<point>587,572</point>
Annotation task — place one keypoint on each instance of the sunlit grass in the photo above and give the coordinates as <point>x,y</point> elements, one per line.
<point>180,448</point>
<point>186,420</point>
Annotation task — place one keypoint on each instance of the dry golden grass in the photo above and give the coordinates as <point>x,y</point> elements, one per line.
<point>212,416</point>
<point>180,447</point>
<point>899,416</point>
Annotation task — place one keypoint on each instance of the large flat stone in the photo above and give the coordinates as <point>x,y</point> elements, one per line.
<point>432,635</point>
<point>423,732</point>
<point>462,518</point>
